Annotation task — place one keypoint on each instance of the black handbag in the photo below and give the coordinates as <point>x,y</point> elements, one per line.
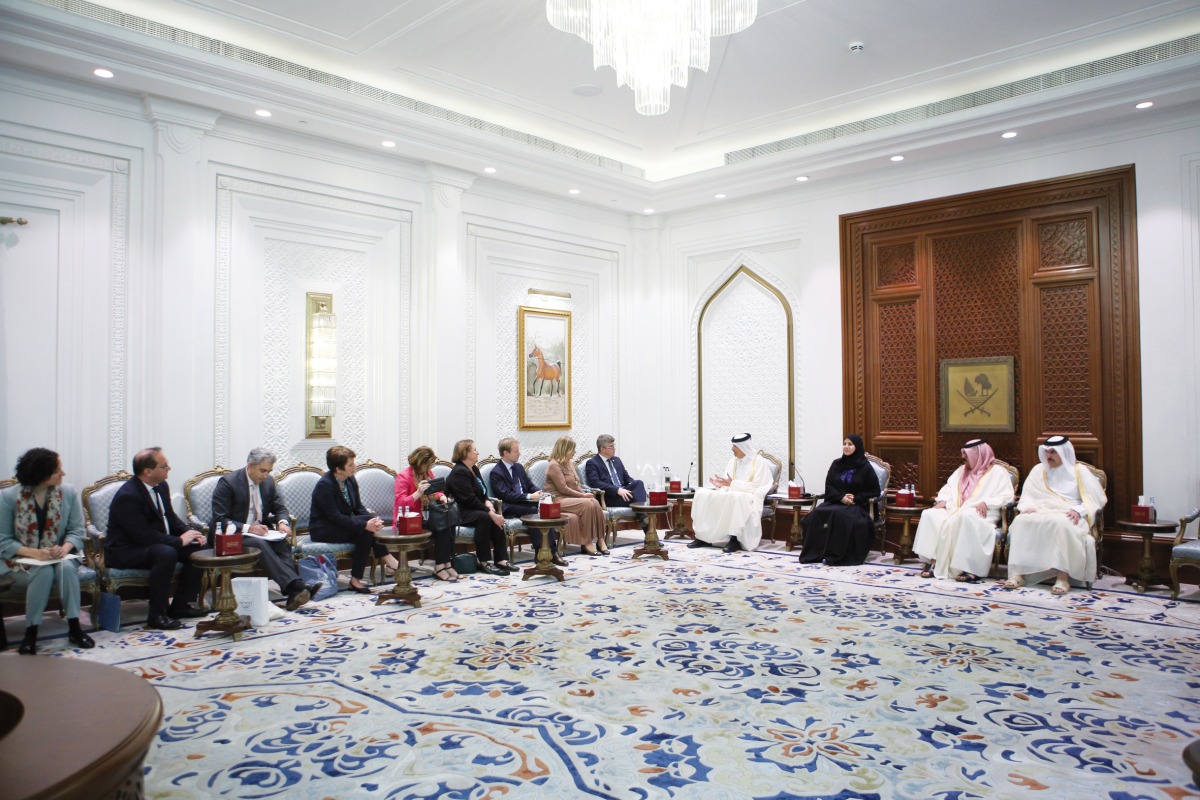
<point>442,517</point>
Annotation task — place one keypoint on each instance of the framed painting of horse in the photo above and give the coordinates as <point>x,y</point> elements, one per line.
<point>544,368</point>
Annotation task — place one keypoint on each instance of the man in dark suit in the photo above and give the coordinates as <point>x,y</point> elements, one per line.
<point>339,516</point>
<point>517,494</point>
<point>145,533</point>
<point>605,471</point>
<point>247,499</point>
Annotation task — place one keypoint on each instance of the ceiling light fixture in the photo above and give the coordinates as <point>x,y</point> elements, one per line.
<point>262,112</point>
<point>647,210</point>
<point>490,170</point>
<point>572,191</point>
<point>1008,135</point>
<point>802,178</point>
<point>651,45</point>
<point>719,196</point>
<point>101,72</point>
<point>388,143</point>
<point>897,158</point>
<point>1144,104</point>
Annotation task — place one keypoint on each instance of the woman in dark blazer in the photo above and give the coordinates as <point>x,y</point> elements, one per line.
<point>838,531</point>
<point>338,516</point>
<point>476,510</point>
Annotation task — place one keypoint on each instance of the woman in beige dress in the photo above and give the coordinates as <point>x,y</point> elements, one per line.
<point>563,483</point>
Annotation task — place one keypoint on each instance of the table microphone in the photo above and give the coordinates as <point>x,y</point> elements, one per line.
<point>688,488</point>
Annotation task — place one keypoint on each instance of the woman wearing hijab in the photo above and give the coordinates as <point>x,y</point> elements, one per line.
<point>957,537</point>
<point>838,531</point>
<point>41,519</point>
<point>1052,535</point>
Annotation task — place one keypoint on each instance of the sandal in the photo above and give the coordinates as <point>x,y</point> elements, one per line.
<point>1060,587</point>
<point>1015,582</point>
<point>927,572</point>
<point>966,577</point>
<point>443,574</point>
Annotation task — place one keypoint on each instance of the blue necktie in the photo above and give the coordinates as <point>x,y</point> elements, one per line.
<point>612,469</point>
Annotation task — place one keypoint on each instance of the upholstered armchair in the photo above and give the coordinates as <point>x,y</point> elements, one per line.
<point>442,470</point>
<point>771,504</point>
<point>512,527</point>
<point>612,516</point>
<point>1000,552</point>
<point>295,485</point>
<point>97,499</point>
<point>89,576</point>
<point>1184,553</point>
<point>197,496</point>
<point>377,484</point>
<point>878,508</point>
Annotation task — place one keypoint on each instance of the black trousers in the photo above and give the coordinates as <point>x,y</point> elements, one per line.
<point>490,543</point>
<point>364,544</point>
<point>161,559</point>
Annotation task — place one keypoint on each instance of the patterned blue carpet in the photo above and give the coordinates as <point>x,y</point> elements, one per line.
<point>706,676</point>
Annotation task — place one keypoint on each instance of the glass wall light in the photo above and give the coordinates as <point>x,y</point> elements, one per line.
<point>320,366</point>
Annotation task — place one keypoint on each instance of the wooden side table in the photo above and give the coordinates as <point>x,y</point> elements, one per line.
<point>544,559</point>
<point>680,526</point>
<point>796,537</point>
<point>1146,577</point>
<point>651,547</point>
<point>227,620</point>
<point>906,539</point>
<point>401,545</point>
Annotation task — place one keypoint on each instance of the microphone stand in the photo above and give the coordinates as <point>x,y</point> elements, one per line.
<point>688,488</point>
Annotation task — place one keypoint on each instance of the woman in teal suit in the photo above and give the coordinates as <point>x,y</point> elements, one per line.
<point>42,519</point>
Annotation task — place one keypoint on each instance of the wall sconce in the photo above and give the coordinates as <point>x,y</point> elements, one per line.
<point>549,295</point>
<point>320,366</point>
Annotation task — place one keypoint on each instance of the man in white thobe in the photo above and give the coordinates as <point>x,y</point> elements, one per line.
<point>1052,534</point>
<point>730,513</point>
<point>958,535</point>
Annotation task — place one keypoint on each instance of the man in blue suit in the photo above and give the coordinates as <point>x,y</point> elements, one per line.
<point>605,471</point>
<point>517,494</point>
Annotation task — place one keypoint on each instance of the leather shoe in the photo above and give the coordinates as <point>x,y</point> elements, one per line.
<point>313,588</point>
<point>695,543</point>
<point>559,560</point>
<point>163,623</point>
<point>81,639</point>
<point>492,569</point>
<point>297,599</point>
<point>186,611</point>
<point>732,546</point>
<point>360,589</point>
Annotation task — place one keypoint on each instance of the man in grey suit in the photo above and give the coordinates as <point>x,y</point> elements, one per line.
<point>249,501</point>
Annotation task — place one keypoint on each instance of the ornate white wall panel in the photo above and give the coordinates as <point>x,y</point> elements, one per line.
<point>506,266</point>
<point>275,244</point>
<point>743,369</point>
<point>64,294</point>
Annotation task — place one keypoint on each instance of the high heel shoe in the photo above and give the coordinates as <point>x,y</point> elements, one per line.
<point>443,574</point>
<point>29,643</point>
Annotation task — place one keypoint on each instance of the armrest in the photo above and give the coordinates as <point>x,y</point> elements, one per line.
<point>292,530</point>
<point>499,504</point>
<point>1183,523</point>
<point>198,524</point>
<point>1008,512</point>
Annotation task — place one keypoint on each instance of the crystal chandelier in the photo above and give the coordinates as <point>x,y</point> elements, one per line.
<point>651,43</point>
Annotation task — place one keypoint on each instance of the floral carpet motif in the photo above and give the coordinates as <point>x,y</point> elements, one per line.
<point>705,676</point>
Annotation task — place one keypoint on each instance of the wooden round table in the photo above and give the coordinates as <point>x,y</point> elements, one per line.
<point>651,547</point>
<point>544,559</point>
<point>56,750</point>
<point>1146,578</point>
<point>400,545</point>
<point>227,620</point>
<point>796,536</point>
<point>906,539</point>
<point>680,526</point>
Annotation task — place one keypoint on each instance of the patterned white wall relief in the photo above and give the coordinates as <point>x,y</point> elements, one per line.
<point>290,269</point>
<point>744,381</point>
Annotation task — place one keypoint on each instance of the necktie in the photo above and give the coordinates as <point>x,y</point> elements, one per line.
<point>612,470</point>
<point>158,505</point>
<point>256,503</point>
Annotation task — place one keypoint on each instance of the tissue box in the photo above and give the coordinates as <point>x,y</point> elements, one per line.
<point>228,544</point>
<point>658,498</point>
<point>675,486</point>
<point>794,492</point>
<point>906,500</point>
<point>1143,514</point>
<point>409,524</point>
<point>549,510</point>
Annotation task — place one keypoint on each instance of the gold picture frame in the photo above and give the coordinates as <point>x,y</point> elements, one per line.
<point>978,394</point>
<point>543,368</point>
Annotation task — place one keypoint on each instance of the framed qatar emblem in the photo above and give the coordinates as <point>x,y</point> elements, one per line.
<point>978,394</point>
<point>543,368</point>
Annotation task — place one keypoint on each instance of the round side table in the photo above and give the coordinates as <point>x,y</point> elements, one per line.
<point>651,547</point>
<point>680,526</point>
<point>227,621</point>
<point>544,559</point>
<point>1146,577</point>
<point>909,514</point>
<point>796,537</point>
<point>401,544</point>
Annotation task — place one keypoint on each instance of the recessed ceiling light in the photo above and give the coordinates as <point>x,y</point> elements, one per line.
<point>802,178</point>
<point>647,210</point>
<point>101,72</point>
<point>587,90</point>
<point>572,191</point>
<point>1008,135</point>
<point>489,170</point>
<point>1144,104</point>
<point>719,196</point>
<point>388,143</point>
<point>897,158</point>
<point>262,112</point>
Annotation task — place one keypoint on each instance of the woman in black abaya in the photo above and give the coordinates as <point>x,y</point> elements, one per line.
<point>838,531</point>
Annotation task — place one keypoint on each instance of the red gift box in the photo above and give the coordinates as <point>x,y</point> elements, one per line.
<point>228,544</point>
<point>658,498</point>
<point>549,510</point>
<point>409,524</point>
<point>1143,514</point>
<point>905,499</point>
<point>794,493</point>
<point>675,486</point>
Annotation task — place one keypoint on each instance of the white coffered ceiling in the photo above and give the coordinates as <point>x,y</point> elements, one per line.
<point>499,79</point>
